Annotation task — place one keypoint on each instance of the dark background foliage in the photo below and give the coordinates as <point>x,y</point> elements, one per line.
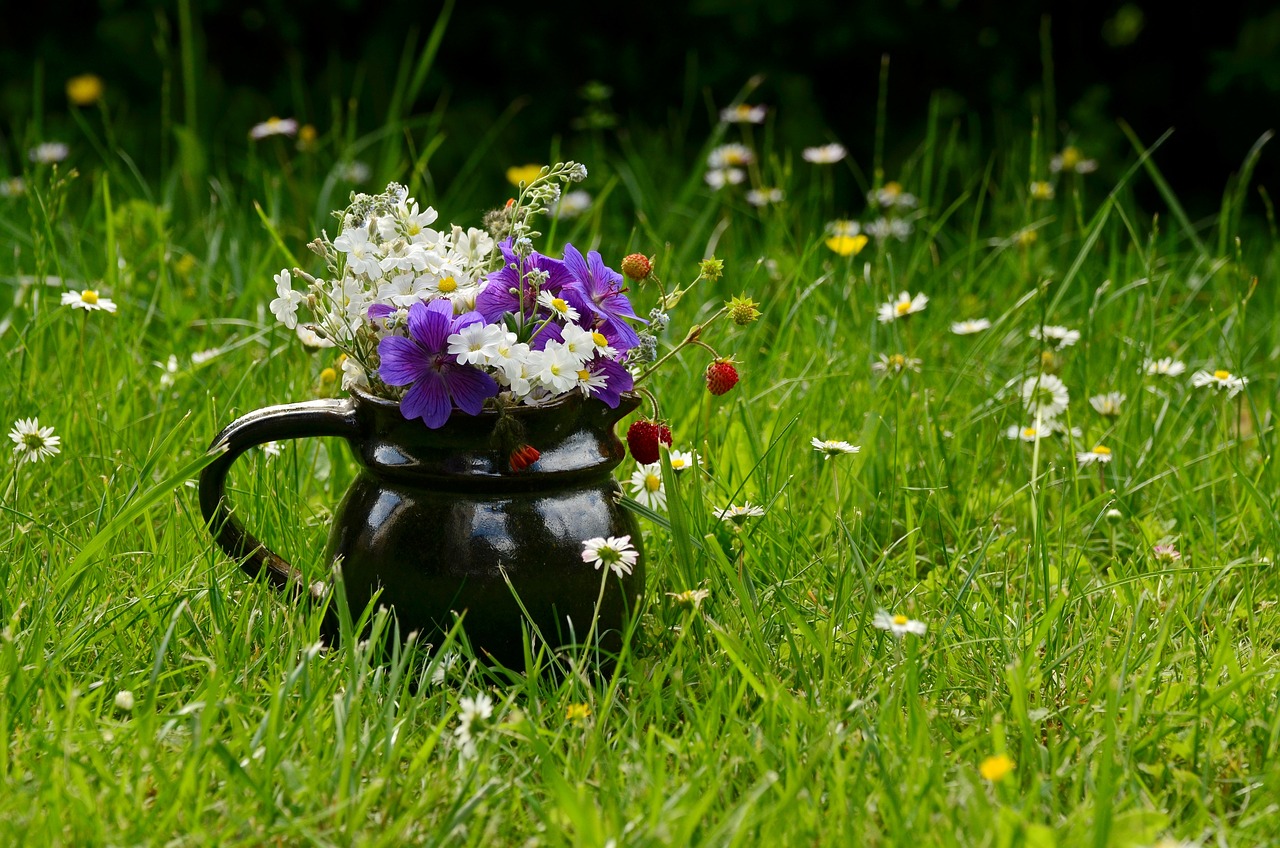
<point>1213,75</point>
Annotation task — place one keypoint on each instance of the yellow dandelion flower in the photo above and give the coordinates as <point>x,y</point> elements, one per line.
<point>84,90</point>
<point>526,174</point>
<point>577,712</point>
<point>996,769</point>
<point>847,245</point>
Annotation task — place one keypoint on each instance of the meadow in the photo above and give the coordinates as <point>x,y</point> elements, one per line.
<point>1036,607</point>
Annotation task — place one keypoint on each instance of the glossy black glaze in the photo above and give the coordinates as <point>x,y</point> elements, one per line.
<point>439,521</point>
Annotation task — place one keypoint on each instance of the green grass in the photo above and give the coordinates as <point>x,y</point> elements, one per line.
<point>1137,698</point>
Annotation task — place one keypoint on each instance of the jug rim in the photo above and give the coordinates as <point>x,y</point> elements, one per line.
<point>568,399</point>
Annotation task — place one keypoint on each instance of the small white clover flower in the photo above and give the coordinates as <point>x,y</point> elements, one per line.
<point>832,447</point>
<point>971,326</point>
<point>901,307</point>
<point>1220,380</point>
<point>826,154</point>
<point>31,442</point>
<point>646,486</point>
<point>898,625</point>
<point>124,701</point>
<point>615,552</point>
<point>1100,454</point>
<point>1107,404</point>
<point>89,300</point>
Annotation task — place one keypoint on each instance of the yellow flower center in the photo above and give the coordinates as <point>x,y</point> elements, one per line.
<point>413,228</point>
<point>652,482</point>
<point>898,361</point>
<point>448,284</point>
<point>584,375</point>
<point>599,339</point>
<point>1070,157</point>
<point>677,462</point>
<point>1217,375</point>
<point>307,134</point>
<point>559,305</point>
<point>899,620</point>
<point>903,307</point>
<point>1026,237</point>
<point>892,189</point>
<point>1029,432</point>
<point>89,296</point>
<point>1102,451</point>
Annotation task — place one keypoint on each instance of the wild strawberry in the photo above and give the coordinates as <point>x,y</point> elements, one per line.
<point>721,376</point>
<point>523,456</point>
<point>644,437</point>
<point>636,266</point>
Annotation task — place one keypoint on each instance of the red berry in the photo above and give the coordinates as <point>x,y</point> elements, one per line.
<point>721,376</point>
<point>644,437</point>
<point>636,266</point>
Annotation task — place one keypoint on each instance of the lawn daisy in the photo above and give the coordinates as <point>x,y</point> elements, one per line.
<point>1060,336</point>
<point>274,126</point>
<point>31,442</point>
<point>354,172</point>
<point>570,205</point>
<point>846,245</point>
<point>891,196</point>
<point>1041,190</point>
<point>743,113</point>
<point>718,178</point>
<point>1166,553</point>
<point>646,485</point>
<point>473,713</point>
<point>682,461</point>
<point>1165,367</point>
<point>48,152</point>
<point>615,552</point>
<point>1030,433</point>
<point>971,326</point>
<point>881,228</point>
<point>1107,404</point>
<point>1071,159</point>
<point>895,363</point>
<point>738,514</point>
<point>691,598</point>
<point>13,187</point>
<point>832,447</point>
<point>88,300</point>
<point>827,154</point>
<point>901,307</point>
<point>1220,380</point>
<point>1045,396</point>
<point>996,769</point>
<point>898,625</point>
<point>558,307</point>
<point>765,196</point>
<point>842,227</point>
<point>1098,454</point>
<point>730,156</point>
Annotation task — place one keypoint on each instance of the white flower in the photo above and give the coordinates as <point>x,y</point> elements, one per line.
<point>13,187</point>
<point>1107,404</point>
<point>832,447</point>
<point>124,701</point>
<point>168,369</point>
<point>31,442</point>
<point>583,344</point>
<point>271,449</point>
<point>737,514</point>
<point>353,375</point>
<point>881,228</point>
<point>285,306</point>
<point>891,196</point>
<point>274,126</point>
<point>88,300</point>
<point>361,258</point>
<point>472,715</point>
<point>571,205</point>
<point>476,344</point>
<point>1070,159</point>
<point>842,227</point>
<point>559,307</point>
<point>615,552</point>
<point>1041,190</point>
<point>354,171</point>
<point>48,152</point>
<point>826,154</point>
<point>1100,453</point>
<point>718,178</point>
<point>554,367</point>
<point>898,625</point>
<point>1045,396</point>
<point>443,665</point>
<point>973,325</point>
<point>1220,380</point>
<point>730,156</point>
<point>1030,433</point>
<point>895,363</point>
<point>682,461</point>
<point>764,196</point>
<point>904,305</point>
<point>1060,336</point>
<point>743,114</point>
<point>646,485</point>
<point>306,334</point>
<point>1166,367</point>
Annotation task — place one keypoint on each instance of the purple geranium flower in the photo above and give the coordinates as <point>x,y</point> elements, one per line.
<point>596,292</point>
<point>439,383</point>
<point>501,294</point>
<point>617,380</point>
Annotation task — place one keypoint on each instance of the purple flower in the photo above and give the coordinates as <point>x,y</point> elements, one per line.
<point>596,292</point>
<point>502,293</point>
<point>617,380</point>
<point>439,383</point>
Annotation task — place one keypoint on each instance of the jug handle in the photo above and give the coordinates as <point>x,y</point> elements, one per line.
<point>286,421</point>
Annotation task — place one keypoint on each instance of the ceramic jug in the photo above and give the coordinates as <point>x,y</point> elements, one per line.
<point>440,522</point>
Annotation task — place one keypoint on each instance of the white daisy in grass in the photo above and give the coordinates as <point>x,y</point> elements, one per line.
<point>1099,454</point>
<point>1041,190</point>
<point>1107,404</point>
<point>570,205</point>
<point>765,196</point>
<point>1220,380</point>
<point>48,152</point>
<point>558,307</point>
<point>826,154</point>
<point>730,156</point>
<point>1166,553</point>
<point>899,625</point>
<point>901,306</point>
<point>842,227</point>
<point>682,461</point>
<point>881,228</point>
<point>31,442</point>
<point>89,300</point>
<point>738,514</point>
<point>1029,433</point>
<point>718,178</point>
<point>832,447</point>
<point>615,552</point>
<point>1071,159</point>
<point>1045,396</point>
<point>274,126</point>
<point>895,363</point>
<point>473,714</point>
<point>891,196</point>
<point>1059,336</point>
<point>743,113</point>
<point>646,486</point>
<point>13,187</point>
<point>971,326</point>
<point>1164,367</point>
<point>691,598</point>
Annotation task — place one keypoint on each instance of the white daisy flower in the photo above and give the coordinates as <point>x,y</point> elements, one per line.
<point>1030,433</point>
<point>971,326</point>
<point>718,178</point>
<point>765,196</point>
<point>1107,404</point>
<point>891,196</point>
<point>48,152</point>
<point>842,228</point>
<point>646,485</point>
<point>31,442</point>
<point>1099,453</point>
<point>901,307</point>
<point>743,113</point>
<point>354,172</point>
<point>826,154</point>
<point>559,307</point>
<point>682,461</point>
<point>738,514</point>
<point>1041,190</point>
<point>1060,336</point>
<point>730,156</point>
<point>1164,367</point>
<point>898,625</point>
<point>1220,380</point>
<point>615,552</point>
<point>691,598</point>
<point>832,447</point>
<point>570,205</point>
<point>895,363</point>
<point>882,228</point>
<point>1045,396</point>
<point>88,300</point>
<point>472,715</point>
<point>274,126</point>
<point>1071,159</point>
<point>13,187</point>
